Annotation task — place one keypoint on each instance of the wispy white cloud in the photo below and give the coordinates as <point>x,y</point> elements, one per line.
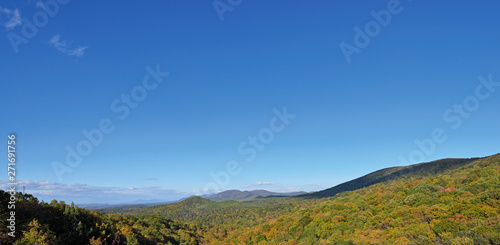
<point>265,183</point>
<point>294,189</point>
<point>83,193</point>
<point>77,51</point>
<point>57,43</point>
<point>13,16</point>
<point>63,46</point>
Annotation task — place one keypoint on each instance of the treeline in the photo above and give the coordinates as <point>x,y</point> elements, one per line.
<point>59,223</point>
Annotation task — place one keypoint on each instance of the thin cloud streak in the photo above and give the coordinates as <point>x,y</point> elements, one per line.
<point>63,46</point>
<point>265,183</point>
<point>14,17</point>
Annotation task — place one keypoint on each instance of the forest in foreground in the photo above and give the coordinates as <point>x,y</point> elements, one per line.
<point>450,201</point>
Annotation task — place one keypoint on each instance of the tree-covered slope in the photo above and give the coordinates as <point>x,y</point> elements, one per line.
<point>219,220</point>
<point>235,195</point>
<point>457,206</point>
<point>394,173</point>
<point>58,223</point>
<point>200,210</point>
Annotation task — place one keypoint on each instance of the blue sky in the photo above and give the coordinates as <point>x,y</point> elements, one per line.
<point>226,76</point>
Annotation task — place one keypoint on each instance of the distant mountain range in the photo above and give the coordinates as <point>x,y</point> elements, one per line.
<point>237,195</point>
<point>230,198</point>
<point>229,195</point>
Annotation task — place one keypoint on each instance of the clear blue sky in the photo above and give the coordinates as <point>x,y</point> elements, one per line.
<point>226,77</point>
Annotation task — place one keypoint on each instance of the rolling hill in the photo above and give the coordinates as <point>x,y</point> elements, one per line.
<point>237,195</point>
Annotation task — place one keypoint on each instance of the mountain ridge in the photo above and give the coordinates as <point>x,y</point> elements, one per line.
<point>242,196</point>
<point>393,173</point>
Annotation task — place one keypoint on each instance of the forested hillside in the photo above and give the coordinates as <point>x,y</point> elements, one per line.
<point>59,223</point>
<point>394,173</point>
<point>220,219</point>
<point>451,201</point>
<point>460,206</point>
